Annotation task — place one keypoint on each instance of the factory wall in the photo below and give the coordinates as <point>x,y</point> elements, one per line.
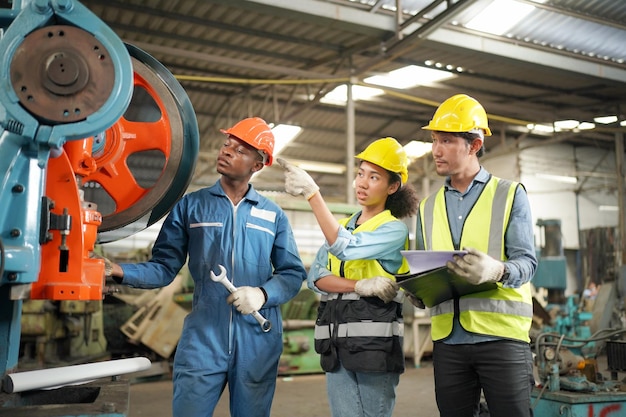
<point>576,205</point>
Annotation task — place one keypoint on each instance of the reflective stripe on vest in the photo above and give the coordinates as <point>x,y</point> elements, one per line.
<point>373,329</point>
<point>354,296</point>
<point>503,312</point>
<point>363,321</point>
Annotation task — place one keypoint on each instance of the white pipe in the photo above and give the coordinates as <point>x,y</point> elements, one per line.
<point>71,375</point>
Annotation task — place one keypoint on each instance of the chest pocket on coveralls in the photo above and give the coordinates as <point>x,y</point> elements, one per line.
<point>258,241</point>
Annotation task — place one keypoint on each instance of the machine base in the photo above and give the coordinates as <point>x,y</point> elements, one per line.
<point>95,399</point>
<point>579,404</point>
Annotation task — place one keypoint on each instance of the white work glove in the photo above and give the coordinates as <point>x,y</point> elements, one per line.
<point>247,299</point>
<point>380,287</point>
<point>417,302</point>
<point>297,180</point>
<point>476,267</point>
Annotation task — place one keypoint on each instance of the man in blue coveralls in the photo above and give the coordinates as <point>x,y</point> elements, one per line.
<point>228,224</point>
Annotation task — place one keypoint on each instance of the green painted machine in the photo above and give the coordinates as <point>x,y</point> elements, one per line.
<point>299,356</point>
<point>573,385</point>
<point>580,357</point>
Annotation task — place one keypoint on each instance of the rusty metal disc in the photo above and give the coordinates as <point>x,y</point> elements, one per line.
<point>62,74</point>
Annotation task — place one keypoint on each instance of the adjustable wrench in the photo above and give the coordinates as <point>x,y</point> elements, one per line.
<point>265,324</point>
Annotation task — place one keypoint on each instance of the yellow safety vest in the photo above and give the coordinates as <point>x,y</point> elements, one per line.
<point>364,334</point>
<point>366,268</point>
<point>502,312</point>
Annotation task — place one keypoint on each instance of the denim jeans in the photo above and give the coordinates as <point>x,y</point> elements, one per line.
<point>361,394</point>
<point>502,369</point>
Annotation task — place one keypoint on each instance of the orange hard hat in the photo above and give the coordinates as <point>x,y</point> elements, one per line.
<point>256,133</point>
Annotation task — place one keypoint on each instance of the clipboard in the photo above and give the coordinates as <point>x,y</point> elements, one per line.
<point>436,284</point>
<point>428,260</point>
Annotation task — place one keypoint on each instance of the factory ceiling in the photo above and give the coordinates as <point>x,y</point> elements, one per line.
<point>277,59</point>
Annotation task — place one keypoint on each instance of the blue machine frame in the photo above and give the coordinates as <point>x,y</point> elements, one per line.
<point>26,144</point>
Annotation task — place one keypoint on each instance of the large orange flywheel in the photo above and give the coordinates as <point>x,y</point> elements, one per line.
<point>132,137</point>
<point>107,187</point>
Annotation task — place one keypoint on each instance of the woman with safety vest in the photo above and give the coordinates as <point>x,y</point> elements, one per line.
<point>481,339</point>
<point>359,327</point>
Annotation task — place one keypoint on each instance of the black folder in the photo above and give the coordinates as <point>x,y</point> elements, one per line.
<point>438,285</point>
<point>431,281</point>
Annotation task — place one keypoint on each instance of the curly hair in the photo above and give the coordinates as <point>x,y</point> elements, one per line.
<point>404,202</point>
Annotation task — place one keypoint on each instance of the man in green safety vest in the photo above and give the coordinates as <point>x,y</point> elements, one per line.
<point>481,340</point>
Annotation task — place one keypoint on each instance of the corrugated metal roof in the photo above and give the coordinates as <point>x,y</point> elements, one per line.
<point>565,60</point>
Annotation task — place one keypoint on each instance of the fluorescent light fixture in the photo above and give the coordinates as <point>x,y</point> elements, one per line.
<point>409,76</point>
<point>605,120</point>
<point>608,208</point>
<point>430,63</point>
<point>622,123</point>
<point>560,125</point>
<point>325,167</point>
<point>499,16</point>
<point>283,134</point>
<point>339,95</point>
<point>540,128</point>
<point>415,148</point>
<point>558,178</point>
<point>586,126</point>
<point>566,124</point>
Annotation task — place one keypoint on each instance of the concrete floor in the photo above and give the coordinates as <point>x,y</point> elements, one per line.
<point>299,395</point>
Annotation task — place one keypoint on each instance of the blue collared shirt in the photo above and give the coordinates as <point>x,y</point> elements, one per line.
<point>519,243</point>
<point>383,244</point>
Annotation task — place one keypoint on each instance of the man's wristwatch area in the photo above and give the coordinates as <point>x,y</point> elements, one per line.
<point>505,274</point>
<point>108,268</point>
<point>108,272</point>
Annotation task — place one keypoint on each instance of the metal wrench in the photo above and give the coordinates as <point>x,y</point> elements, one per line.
<point>266,325</point>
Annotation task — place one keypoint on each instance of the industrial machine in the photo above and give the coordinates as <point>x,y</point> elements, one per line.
<point>580,356</point>
<point>299,314</point>
<point>551,271</point>
<point>574,385</point>
<point>98,141</point>
<point>560,314</point>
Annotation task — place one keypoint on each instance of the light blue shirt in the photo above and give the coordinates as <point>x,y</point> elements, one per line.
<point>519,243</point>
<point>383,244</point>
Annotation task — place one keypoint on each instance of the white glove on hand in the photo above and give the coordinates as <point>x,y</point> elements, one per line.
<point>247,299</point>
<point>380,287</point>
<point>297,180</point>
<point>476,267</point>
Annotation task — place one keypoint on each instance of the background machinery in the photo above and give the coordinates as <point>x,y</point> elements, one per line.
<point>81,113</point>
<point>580,354</point>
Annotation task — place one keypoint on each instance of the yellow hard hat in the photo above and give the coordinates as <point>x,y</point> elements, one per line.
<point>389,154</point>
<point>460,113</point>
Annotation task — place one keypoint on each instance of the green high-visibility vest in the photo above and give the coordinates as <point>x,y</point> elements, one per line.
<point>363,333</point>
<point>502,312</point>
<point>366,268</point>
